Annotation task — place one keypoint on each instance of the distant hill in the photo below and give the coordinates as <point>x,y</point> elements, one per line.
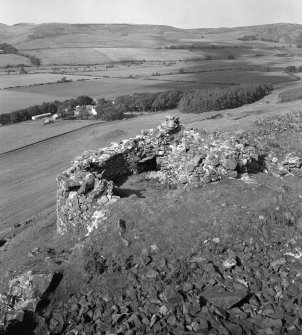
<point>29,35</point>
<point>62,43</point>
<point>281,32</point>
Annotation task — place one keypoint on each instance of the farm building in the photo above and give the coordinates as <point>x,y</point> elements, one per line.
<point>85,109</point>
<point>40,116</point>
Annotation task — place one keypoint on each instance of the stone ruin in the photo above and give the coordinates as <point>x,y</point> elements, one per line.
<point>169,155</point>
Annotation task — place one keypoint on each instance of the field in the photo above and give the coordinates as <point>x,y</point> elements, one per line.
<point>71,55</point>
<point>120,84</point>
<point>291,94</point>
<point>231,77</point>
<point>13,99</point>
<point>6,59</point>
<point>13,80</point>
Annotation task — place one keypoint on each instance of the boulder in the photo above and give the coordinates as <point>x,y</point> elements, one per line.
<point>29,285</point>
<point>230,163</point>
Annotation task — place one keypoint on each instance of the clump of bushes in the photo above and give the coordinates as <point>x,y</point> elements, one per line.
<point>8,48</point>
<point>64,80</point>
<point>248,38</point>
<point>199,101</point>
<point>293,69</point>
<point>107,111</point>
<point>36,61</point>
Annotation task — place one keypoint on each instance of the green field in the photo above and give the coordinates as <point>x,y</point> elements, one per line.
<point>231,77</point>
<point>14,80</point>
<point>91,55</point>
<point>11,59</point>
<point>12,100</point>
<point>292,94</point>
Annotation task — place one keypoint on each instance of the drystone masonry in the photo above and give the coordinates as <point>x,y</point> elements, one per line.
<point>168,154</point>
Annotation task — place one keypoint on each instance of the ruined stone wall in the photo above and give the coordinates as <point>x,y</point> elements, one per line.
<point>86,188</point>
<point>185,158</point>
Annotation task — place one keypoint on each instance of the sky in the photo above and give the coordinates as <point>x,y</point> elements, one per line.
<point>177,13</point>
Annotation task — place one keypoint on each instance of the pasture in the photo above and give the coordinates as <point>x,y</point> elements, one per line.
<point>231,77</point>
<point>12,100</point>
<point>12,59</point>
<point>291,94</point>
<point>90,55</point>
<point>14,80</point>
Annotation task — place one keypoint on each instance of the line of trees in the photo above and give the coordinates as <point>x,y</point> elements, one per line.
<point>150,102</point>
<point>293,69</point>
<point>203,45</point>
<point>194,101</point>
<point>107,110</point>
<point>8,48</point>
<point>36,61</point>
<point>248,38</point>
<point>27,113</point>
<point>54,107</point>
<point>199,101</point>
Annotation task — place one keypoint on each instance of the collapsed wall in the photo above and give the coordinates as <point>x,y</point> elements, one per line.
<point>172,155</point>
<point>86,188</point>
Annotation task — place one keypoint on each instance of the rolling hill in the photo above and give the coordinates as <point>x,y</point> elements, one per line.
<point>87,43</point>
<point>29,35</point>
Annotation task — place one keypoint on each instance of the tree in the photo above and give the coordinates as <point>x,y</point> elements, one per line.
<point>66,109</point>
<point>23,71</point>
<point>84,100</point>
<point>35,60</point>
<point>106,111</point>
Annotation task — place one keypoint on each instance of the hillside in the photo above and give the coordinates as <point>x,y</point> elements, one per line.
<point>223,257</point>
<point>30,36</point>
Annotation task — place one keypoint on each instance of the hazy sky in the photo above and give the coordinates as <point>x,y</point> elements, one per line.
<point>178,13</point>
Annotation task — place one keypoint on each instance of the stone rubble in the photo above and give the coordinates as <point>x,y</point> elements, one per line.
<point>24,293</point>
<point>199,294</point>
<point>177,157</point>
